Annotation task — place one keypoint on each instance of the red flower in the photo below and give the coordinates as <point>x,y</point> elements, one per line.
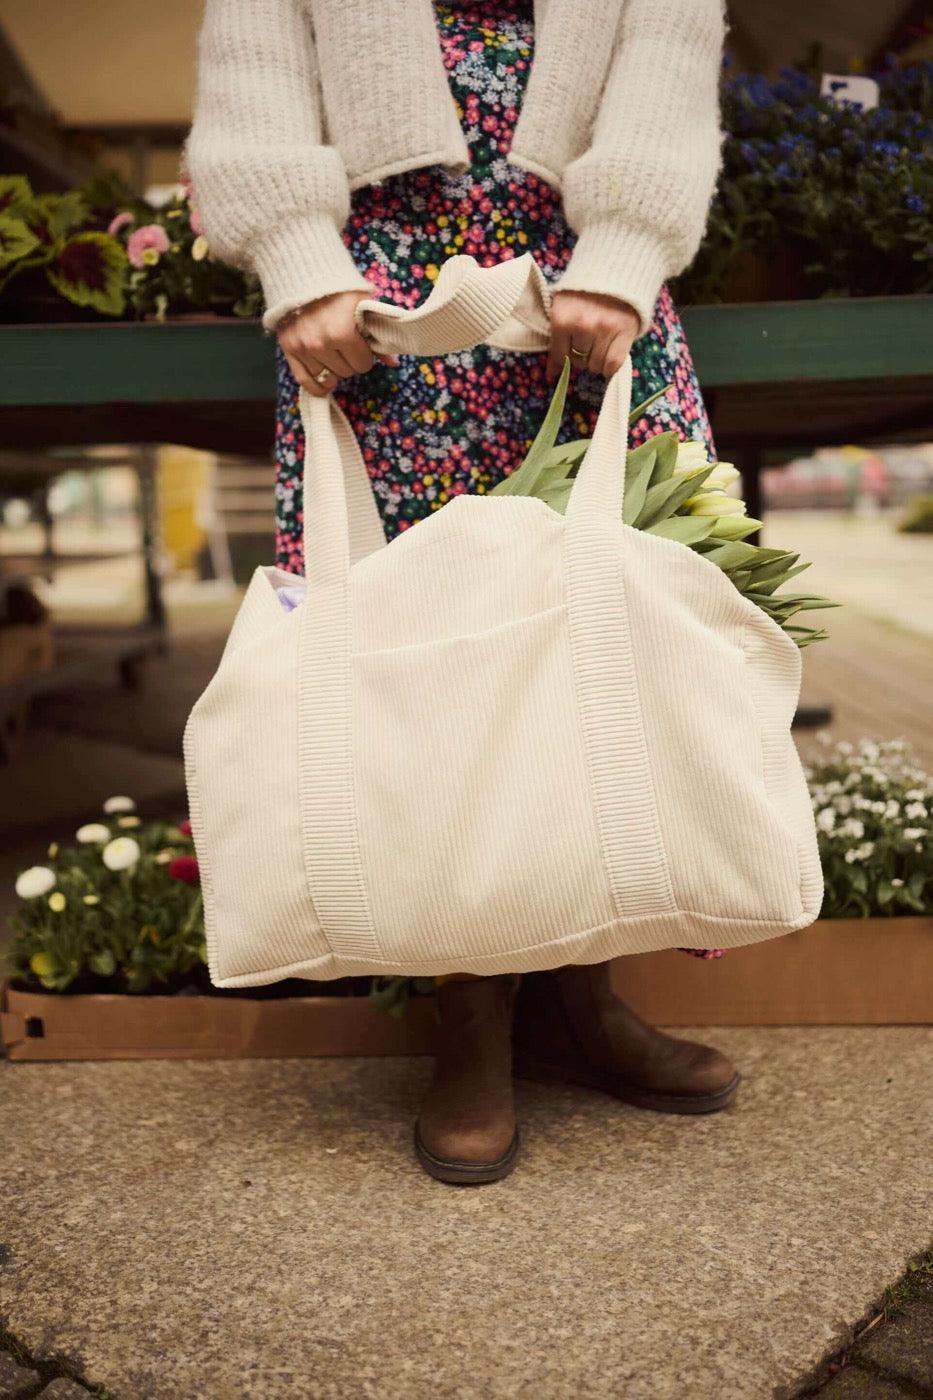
<point>185,827</point>
<point>184,868</point>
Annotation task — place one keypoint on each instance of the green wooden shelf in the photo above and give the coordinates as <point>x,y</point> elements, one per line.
<point>872,338</point>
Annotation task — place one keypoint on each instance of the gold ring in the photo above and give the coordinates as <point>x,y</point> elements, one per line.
<point>580,354</point>
<point>323,377</point>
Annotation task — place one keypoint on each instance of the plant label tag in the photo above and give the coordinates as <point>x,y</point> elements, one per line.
<point>850,90</point>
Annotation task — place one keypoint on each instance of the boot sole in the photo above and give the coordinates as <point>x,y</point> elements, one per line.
<point>467,1173</point>
<point>526,1067</point>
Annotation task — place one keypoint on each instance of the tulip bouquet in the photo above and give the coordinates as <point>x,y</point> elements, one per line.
<point>672,490</point>
<point>120,909</point>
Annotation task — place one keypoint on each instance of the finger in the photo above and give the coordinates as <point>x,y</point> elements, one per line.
<point>617,353</point>
<point>305,377</point>
<point>558,350</point>
<point>355,351</point>
<point>596,359</point>
<point>393,361</point>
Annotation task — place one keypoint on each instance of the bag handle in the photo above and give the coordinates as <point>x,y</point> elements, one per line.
<point>508,306</point>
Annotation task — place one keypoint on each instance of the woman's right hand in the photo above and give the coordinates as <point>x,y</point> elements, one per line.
<point>323,336</point>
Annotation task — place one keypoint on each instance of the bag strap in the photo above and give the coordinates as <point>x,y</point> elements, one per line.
<point>508,306</point>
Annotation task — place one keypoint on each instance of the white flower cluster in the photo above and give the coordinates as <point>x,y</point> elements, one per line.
<point>118,853</point>
<point>863,779</point>
<point>871,804</point>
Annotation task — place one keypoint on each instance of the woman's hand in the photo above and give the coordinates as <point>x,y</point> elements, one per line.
<point>322,345</point>
<point>601,326</point>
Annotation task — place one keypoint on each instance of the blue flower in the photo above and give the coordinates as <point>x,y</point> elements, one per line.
<point>915,204</point>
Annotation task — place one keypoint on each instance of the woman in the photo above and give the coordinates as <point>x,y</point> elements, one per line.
<point>343,149</point>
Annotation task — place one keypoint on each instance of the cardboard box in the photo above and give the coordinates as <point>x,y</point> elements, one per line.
<point>838,972</point>
<point>48,1026</point>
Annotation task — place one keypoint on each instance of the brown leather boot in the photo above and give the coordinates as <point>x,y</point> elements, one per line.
<point>466,1129</point>
<point>571,1027</point>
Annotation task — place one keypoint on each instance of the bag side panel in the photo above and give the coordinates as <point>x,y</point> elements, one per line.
<point>731,852</point>
<point>241,749</point>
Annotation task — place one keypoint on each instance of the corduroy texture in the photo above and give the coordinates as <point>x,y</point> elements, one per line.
<point>300,101</point>
<point>622,775</point>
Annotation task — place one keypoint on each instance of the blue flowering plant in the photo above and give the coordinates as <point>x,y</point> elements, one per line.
<point>847,192</point>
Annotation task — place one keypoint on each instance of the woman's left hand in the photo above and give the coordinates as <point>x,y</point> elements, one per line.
<point>603,327</point>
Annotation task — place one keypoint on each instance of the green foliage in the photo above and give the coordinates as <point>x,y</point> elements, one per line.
<point>48,231</point>
<point>392,994</point>
<point>668,494</point>
<point>67,238</point>
<point>919,518</point>
<point>872,808</point>
<point>129,930</point>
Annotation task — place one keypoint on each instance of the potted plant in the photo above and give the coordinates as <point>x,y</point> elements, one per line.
<point>108,961</point>
<point>172,272</point>
<point>55,265</point>
<point>818,199</point>
<point>98,252</point>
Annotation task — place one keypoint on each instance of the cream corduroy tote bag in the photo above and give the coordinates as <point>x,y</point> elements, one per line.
<point>509,739</point>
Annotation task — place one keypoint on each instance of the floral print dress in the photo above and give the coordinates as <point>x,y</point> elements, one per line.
<point>435,428</point>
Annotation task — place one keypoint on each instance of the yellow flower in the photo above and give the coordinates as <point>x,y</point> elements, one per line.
<point>128,821</point>
<point>199,248</point>
<point>57,902</point>
<point>53,850</point>
<point>431,272</point>
<point>714,503</point>
<point>691,457</point>
<point>91,898</point>
<point>150,256</point>
<point>41,964</point>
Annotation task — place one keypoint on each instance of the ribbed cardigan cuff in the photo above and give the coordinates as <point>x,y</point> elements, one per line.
<point>617,260</point>
<point>301,261</point>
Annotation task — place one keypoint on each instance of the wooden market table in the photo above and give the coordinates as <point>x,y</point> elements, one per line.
<point>778,377</point>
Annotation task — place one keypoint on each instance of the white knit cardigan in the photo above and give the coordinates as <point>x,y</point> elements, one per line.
<point>301,101</point>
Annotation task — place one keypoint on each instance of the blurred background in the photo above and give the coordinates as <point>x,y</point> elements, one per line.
<point>136,408</point>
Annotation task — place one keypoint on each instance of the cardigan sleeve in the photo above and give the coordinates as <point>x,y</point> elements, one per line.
<point>271,195</point>
<point>639,197</point>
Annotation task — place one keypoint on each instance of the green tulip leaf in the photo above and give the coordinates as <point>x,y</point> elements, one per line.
<point>641,408</point>
<point>637,489</point>
<point>663,499</point>
<point>523,481</point>
<point>688,529</point>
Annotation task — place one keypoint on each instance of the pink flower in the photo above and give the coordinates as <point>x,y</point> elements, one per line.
<point>185,827</point>
<point>185,868</point>
<point>150,236</point>
<point>194,219</point>
<point>118,221</point>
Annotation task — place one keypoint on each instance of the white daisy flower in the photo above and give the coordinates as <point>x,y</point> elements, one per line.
<point>38,879</point>
<point>119,804</point>
<point>121,854</point>
<point>91,832</point>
